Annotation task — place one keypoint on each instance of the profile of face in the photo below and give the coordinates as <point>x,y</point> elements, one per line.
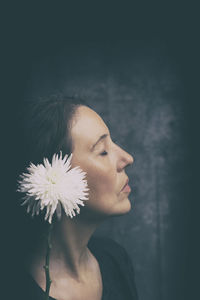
<point>103,161</point>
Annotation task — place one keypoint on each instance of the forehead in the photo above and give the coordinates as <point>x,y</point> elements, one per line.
<point>87,126</point>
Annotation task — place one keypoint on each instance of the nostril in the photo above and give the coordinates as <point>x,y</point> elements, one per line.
<point>128,159</point>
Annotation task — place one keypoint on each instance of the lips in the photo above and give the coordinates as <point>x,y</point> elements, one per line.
<point>125,183</point>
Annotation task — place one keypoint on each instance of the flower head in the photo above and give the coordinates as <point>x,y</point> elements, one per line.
<point>53,186</point>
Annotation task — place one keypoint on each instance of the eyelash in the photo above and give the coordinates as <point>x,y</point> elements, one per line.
<point>104,153</point>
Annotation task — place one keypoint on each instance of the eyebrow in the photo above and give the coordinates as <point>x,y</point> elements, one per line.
<point>99,139</point>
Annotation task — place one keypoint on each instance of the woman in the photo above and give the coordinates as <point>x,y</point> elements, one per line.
<point>81,266</point>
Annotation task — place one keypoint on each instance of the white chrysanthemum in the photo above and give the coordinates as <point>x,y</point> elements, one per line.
<point>54,185</point>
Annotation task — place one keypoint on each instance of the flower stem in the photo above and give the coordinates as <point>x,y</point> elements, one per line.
<point>46,266</point>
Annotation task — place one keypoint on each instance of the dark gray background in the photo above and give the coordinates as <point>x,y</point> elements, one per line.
<point>141,74</point>
<point>137,88</point>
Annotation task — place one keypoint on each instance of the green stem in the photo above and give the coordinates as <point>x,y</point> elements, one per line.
<point>46,266</point>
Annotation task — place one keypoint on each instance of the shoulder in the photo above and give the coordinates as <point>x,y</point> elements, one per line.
<point>117,265</point>
<point>108,248</point>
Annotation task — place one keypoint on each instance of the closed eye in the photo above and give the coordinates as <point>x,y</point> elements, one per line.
<point>103,153</point>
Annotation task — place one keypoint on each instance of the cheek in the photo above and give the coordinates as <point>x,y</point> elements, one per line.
<point>102,181</point>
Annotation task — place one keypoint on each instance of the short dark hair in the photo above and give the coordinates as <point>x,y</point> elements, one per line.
<point>43,129</point>
<point>45,126</point>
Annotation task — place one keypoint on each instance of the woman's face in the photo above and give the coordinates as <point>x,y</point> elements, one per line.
<point>103,161</point>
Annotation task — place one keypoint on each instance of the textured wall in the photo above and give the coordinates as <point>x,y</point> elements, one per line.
<point>136,88</point>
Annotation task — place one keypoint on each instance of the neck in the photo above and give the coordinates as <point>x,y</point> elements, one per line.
<point>69,253</point>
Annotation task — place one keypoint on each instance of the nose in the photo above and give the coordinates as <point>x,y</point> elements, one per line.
<point>124,159</point>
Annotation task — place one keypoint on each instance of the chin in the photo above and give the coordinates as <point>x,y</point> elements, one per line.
<point>123,207</point>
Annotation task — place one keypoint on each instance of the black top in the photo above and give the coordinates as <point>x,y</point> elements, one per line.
<point>116,271</point>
